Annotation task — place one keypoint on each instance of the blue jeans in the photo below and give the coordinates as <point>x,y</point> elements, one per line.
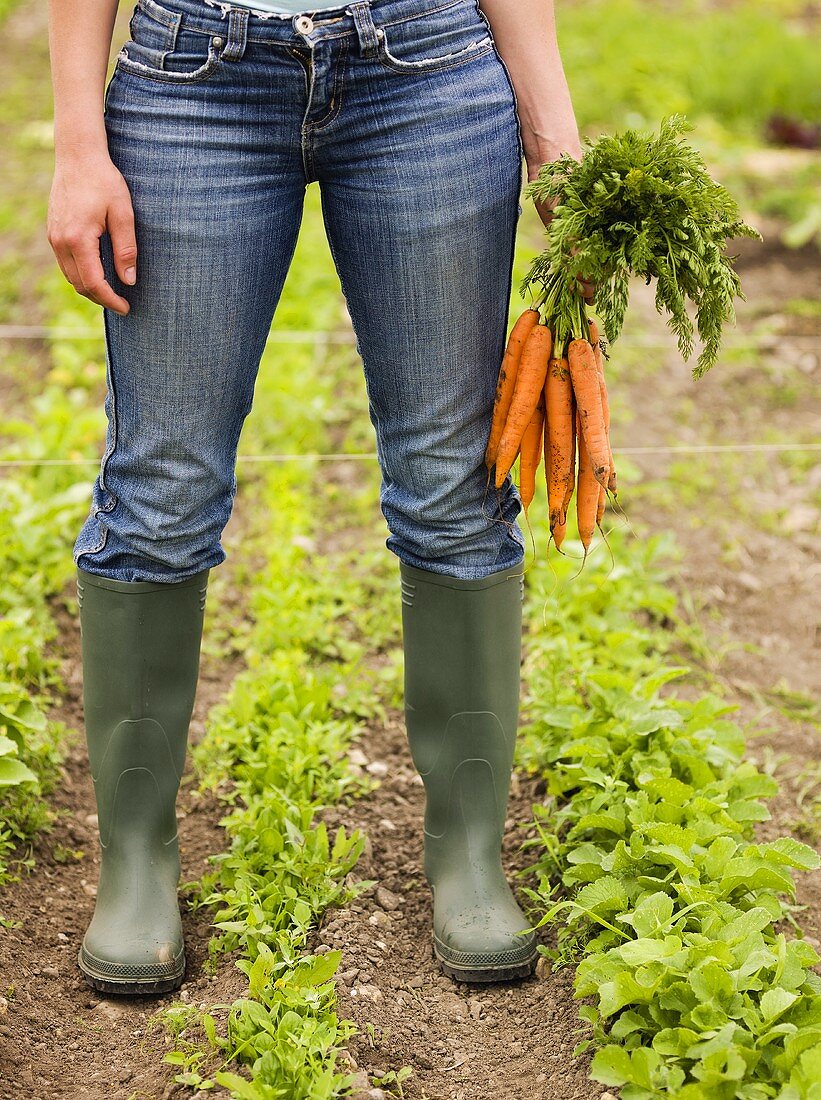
<point>403,112</point>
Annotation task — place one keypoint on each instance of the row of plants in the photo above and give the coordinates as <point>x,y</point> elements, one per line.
<point>647,869</point>
<point>275,749</point>
<point>41,509</point>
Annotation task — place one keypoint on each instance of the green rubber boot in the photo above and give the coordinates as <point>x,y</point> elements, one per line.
<point>141,645</point>
<point>462,642</point>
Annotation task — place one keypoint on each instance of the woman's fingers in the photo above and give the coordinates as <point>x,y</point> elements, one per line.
<point>546,211</point>
<point>588,289</point>
<point>89,196</point>
<point>93,283</point>
<point>123,239</point>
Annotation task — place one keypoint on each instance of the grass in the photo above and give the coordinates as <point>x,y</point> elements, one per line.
<point>737,63</point>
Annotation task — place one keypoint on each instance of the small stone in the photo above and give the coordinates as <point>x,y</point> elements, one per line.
<point>607,1096</point>
<point>386,899</point>
<point>108,1010</point>
<point>380,919</point>
<point>376,1094</point>
<point>453,1005</point>
<point>4,1006</point>
<point>357,757</point>
<point>386,824</point>
<point>347,1059</point>
<point>323,949</point>
<point>91,819</point>
<point>377,768</point>
<point>360,1085</point>
<point>50,972</point>
<point>62,937</point>
<point>303,542</point>
<point>370,993</point>
<point>348,977</point>
<point>543,968</point>
<point>803,517</point>
<point>90,889</point>
<point>749,581</point>
<point>417,982</point>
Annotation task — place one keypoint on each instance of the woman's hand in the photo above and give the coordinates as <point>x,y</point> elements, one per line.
<point>88,193</point>
<point>88,197</point>
<point>555,139</point>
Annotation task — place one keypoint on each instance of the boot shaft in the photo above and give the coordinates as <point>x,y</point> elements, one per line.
<point>140,646</point>
<point>462,643</point>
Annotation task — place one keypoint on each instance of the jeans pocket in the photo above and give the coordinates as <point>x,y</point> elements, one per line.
<point>162,48</point>
<point>434,41</point>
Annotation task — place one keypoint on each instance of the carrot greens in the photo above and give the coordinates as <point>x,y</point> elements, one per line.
<point>639,205</point>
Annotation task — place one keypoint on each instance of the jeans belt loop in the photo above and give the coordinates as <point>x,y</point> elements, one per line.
<point>365,28</point>
<point>237,34</point>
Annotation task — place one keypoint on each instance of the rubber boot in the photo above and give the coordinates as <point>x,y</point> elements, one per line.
<point>462,642</point>
<point>141,645</point>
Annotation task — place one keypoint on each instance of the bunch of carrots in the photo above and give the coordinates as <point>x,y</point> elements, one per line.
<point>635,205</point>
<point>551,400</point>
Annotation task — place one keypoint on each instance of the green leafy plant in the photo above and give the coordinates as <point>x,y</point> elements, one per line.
<point>646,866</point>
<point>638,205</point>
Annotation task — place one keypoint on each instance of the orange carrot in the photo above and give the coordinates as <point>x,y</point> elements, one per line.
<point>587,493</point>
<point>507,380</point>
<point>529,384</point>
<point>559,395</point>
<point>586,387</point>
<point>595,340</point>
<point>557,530</point>
<point>529,455</point>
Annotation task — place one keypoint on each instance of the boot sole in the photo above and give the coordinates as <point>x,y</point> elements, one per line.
<point>130,986</point>
<point>485,975</point>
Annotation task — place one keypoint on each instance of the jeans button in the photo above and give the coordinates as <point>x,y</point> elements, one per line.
<point>304,24</point>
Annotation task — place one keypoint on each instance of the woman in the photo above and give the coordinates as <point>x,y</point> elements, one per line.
<point>176,208</point>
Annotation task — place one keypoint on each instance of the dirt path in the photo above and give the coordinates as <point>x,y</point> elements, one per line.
<point>462,1042</point>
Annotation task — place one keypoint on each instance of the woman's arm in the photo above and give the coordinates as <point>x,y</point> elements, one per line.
<point>88,193</point>
<point>525,34</point>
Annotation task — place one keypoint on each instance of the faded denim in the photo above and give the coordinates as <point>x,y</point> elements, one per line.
<point>403,112</point>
